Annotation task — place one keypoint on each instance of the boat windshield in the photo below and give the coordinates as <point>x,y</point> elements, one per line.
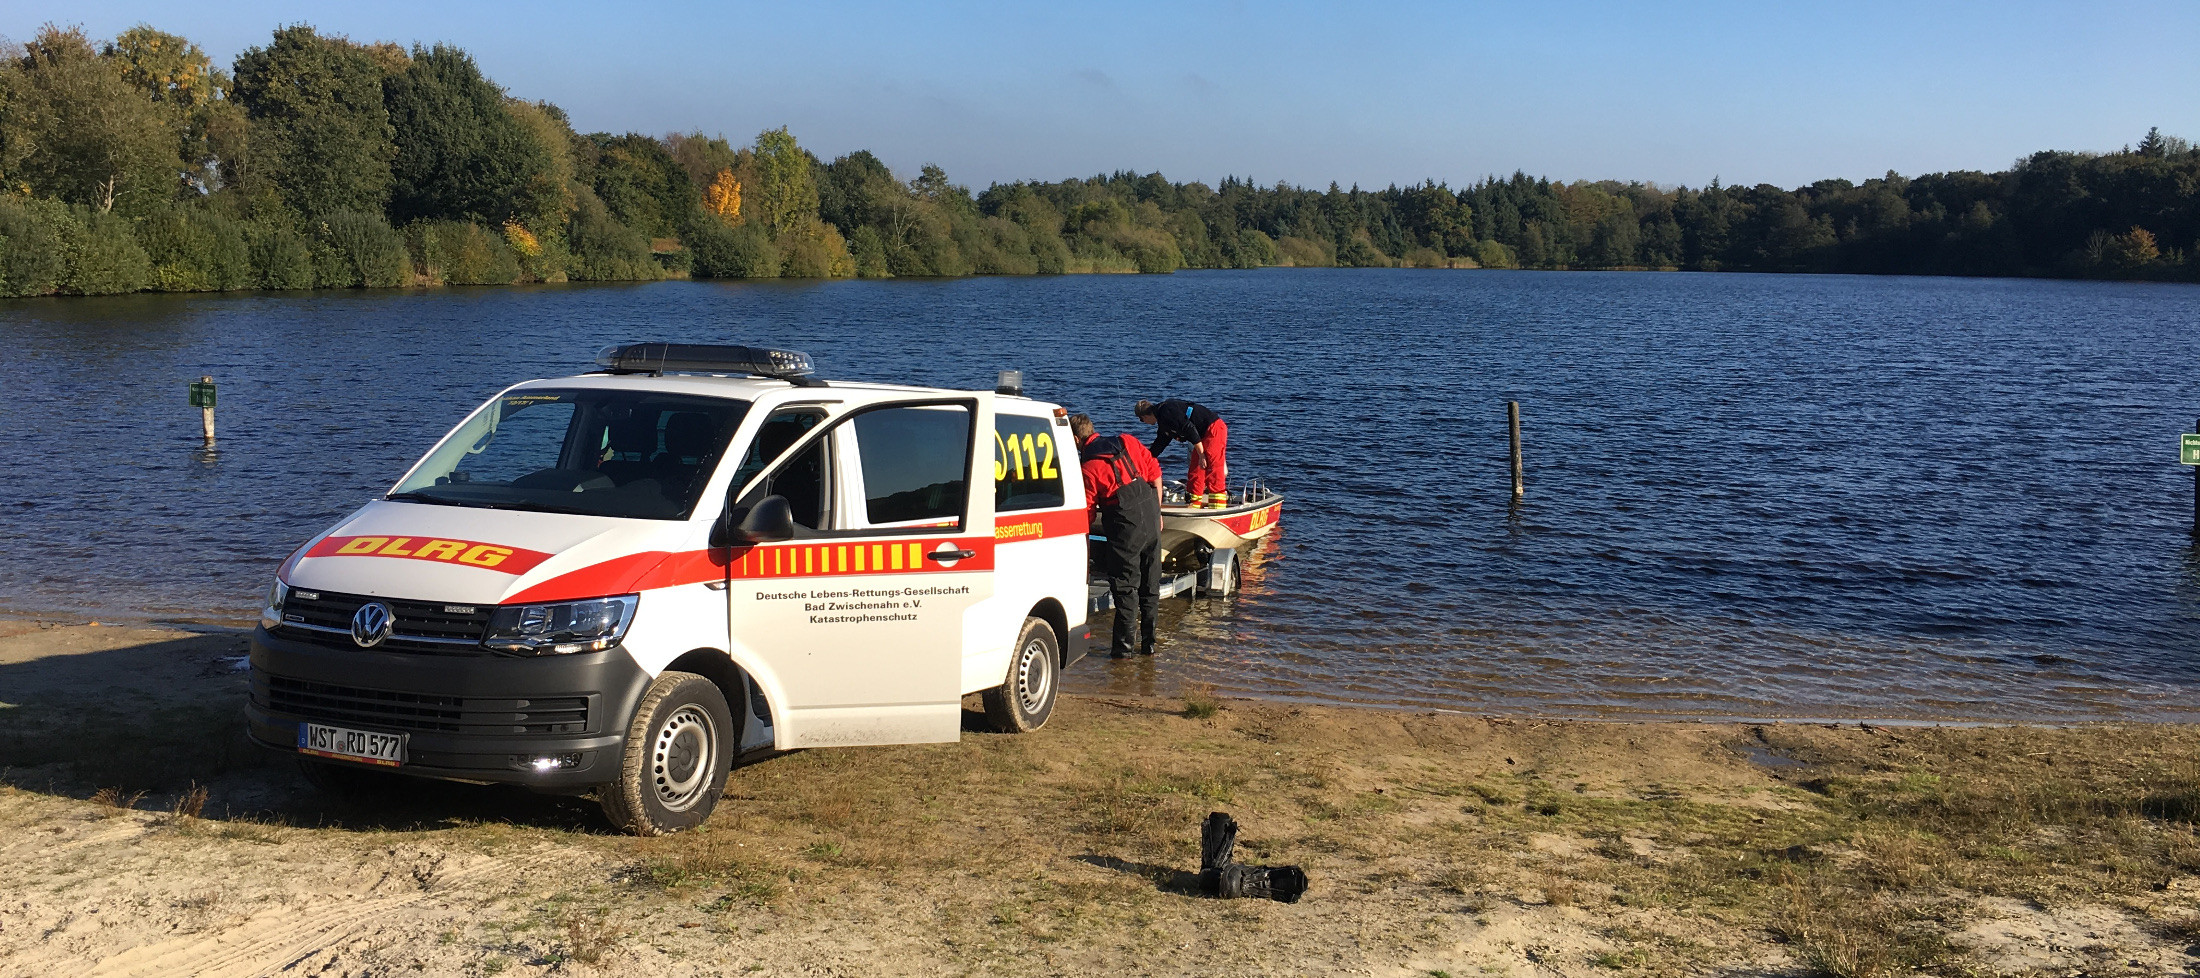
<point>636,454</point>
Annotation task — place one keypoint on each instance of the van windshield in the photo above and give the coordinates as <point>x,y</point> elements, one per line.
<point>619,453</point>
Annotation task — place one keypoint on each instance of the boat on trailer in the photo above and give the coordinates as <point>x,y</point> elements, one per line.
<point>1200,545</point>
<point>1250,515</point>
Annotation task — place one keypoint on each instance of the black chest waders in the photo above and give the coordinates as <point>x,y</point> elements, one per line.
<point>1131,559</point>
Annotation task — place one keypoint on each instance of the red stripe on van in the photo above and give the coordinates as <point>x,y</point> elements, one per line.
<point>619,575</point>
<point>1024,527</point>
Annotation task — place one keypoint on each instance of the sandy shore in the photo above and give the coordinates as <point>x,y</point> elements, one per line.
<point>143,836</point>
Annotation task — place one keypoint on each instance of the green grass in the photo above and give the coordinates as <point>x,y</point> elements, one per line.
<point>1200,702</point>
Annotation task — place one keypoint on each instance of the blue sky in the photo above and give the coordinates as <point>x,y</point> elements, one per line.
<point>1372,93</point>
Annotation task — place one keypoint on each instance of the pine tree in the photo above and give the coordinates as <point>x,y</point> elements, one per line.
<point>2152,145</point>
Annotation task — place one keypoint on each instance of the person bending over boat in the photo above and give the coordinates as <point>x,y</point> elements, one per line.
<point>1209,438</point>
<point>1123,493</point>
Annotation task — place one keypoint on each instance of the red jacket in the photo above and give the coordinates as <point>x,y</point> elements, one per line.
<point>1102,480</point>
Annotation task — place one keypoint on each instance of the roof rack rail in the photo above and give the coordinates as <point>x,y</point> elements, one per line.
<point>792,366</point>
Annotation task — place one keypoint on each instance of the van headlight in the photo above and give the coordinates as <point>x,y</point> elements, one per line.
<point>561,628</point>
<point>272,615</point>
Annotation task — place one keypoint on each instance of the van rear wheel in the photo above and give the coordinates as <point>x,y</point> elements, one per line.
<point>675,763</point>
<point>1023,703</point>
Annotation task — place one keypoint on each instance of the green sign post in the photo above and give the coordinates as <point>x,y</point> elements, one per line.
<point>2188,452</point>
<point>202,397</point>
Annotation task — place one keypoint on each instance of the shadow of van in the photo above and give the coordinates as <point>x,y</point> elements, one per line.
<point>145,719</point>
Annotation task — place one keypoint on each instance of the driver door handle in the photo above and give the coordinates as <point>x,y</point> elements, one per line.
<point>951,555</point>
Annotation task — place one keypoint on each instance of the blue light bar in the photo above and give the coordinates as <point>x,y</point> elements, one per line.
<point>704,358</point>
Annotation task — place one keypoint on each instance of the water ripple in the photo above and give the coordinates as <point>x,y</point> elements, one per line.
<point>1747,495</point>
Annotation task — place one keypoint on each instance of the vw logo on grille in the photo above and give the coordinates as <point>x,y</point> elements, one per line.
<point>371,624</point>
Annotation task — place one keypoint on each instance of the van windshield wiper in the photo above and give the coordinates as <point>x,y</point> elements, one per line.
<point>547,508</point>
<point>421,497</point>
<point>512,504</point>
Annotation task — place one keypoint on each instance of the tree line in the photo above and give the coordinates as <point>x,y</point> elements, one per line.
<point>315,161</point>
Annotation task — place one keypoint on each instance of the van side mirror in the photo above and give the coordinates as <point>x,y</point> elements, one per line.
<point>768,520</point>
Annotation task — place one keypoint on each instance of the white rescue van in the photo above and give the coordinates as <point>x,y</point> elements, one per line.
<point>620,582</point>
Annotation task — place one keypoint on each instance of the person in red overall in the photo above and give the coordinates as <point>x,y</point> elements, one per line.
<point>1123,495</point>
<point>1208,482</point>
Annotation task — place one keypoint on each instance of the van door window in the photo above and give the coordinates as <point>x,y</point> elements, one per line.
<point>804,481</point>
<point>1027,464</point>
<point>779,431</point>
<point>916,464</point>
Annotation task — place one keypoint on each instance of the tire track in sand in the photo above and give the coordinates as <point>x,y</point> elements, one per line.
<point>274,939</point>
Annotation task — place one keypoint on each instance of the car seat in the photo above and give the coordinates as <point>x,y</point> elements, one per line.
<point>633,440</point>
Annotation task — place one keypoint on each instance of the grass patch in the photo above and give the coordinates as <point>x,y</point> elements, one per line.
<point>1200,702</point>
<point>1633,957</point>
<point>589,936</point>
<point>1493,794</point>
<point>117,801</point>
<point>709,859</point>
<point>1839,932</point>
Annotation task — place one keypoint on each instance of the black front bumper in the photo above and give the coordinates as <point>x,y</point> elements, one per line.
<point>465,717</point>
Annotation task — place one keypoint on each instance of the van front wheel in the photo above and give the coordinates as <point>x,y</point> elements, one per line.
<point>675,763</point>
<point>1023,703</point>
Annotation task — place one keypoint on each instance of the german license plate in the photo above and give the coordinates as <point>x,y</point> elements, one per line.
<point>351,745</point>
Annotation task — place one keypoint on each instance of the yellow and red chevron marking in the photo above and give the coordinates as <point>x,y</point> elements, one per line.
<point>658,569</point>
<point>874,557</point>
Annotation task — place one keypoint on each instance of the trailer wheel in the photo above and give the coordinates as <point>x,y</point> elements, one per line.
<point>1218,577</point>
<point>1023,703</point>
<point>675,762</point>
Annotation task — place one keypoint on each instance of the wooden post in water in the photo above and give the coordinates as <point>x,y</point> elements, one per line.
<point>1512,418</point>
<point>206,409</point>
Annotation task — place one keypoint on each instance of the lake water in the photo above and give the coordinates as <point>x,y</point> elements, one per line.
<point>1747,495</point>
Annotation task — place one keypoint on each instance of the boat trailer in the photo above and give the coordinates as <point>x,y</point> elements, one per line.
<point>1199,546</point>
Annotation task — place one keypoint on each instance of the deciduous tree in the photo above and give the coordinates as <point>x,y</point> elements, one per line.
<point>74,129</point>
<point>788,190</point>
<point>639,182</point>
<point>166,67</point>
<point>459,152</point>
<point>191,91</point>
<point>321,136</point>
<point>723,197</point>
<point>545,200</point>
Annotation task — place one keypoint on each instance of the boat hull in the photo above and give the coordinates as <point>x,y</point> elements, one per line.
<point>1184,528</point>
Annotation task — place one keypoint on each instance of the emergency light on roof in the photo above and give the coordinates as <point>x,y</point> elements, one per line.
<point>788,365</point>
